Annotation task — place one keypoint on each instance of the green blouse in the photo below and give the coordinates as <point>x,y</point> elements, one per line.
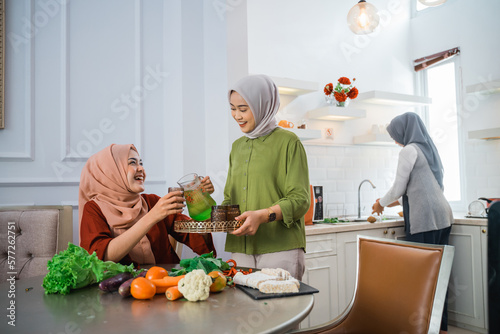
<point>263,172</point>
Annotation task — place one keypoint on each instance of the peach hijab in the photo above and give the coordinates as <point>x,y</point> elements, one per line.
<point>104,181</point>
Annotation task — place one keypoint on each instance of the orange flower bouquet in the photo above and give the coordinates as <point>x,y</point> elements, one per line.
<point>342,92</point>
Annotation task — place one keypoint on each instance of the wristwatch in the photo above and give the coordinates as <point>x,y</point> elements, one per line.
<point>272,215</point>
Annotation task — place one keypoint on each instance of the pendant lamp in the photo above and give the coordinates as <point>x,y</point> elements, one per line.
<point>363,18</point>
<point>432,3</point>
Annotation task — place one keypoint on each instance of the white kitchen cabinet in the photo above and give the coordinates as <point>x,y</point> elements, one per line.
<point>321,273</point>
<point>396,233</point>
<point>347,253</point>
<point>331,260</point>
<point>467,291</point>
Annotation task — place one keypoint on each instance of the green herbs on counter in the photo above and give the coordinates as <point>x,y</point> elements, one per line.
<point>207,262</point>
<point>333,221</point>
<point>75,268</point>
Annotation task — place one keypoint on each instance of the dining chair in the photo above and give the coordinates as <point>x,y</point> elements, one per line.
<point>177,246</point>
<point>30,236</point>
<point>400,288</point>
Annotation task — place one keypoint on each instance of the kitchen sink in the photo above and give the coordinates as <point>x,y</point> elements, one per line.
<point>379,219</point>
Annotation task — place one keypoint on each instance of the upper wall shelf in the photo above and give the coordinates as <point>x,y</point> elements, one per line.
<point>374,139</point>
<point>391,99</point>
<point>306,134</point>
<point>484,88</point>
<point>332,113</point>
<point>493,133</point>
<point>287,86</point>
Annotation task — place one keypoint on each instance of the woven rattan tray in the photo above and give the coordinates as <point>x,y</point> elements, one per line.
<point>190,226</point>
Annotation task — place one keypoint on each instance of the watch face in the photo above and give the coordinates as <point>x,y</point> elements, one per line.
<point>272,217</point>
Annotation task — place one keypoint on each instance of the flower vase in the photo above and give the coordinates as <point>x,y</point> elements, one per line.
<point>329,99</point>
<point>342,104</point>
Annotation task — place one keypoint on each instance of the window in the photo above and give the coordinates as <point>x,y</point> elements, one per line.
<point>440,83</point>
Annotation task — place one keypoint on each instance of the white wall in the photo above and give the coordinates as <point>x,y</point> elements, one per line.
<point>92,73</point>
<point>472,26</point>
<point>311,41</point>
<point>73,71</point>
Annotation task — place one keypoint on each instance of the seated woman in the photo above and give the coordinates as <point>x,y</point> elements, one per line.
<point>122,225</point>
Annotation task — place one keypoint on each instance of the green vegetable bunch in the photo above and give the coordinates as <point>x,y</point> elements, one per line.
<point>207,262</point>
<point>333,220</point>
<point>75,268</point>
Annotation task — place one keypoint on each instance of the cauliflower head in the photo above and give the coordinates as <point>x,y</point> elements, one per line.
<point>195,285</point>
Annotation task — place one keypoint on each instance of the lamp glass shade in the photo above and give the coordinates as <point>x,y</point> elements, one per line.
<point>363,18</point>
<point>432,3</point>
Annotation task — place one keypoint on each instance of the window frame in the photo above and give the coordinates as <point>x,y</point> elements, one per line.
<point>422,79</point>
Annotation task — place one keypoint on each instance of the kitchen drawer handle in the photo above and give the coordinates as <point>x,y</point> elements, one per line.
<point>393,232</point>
<point>385,232</point>
<point>483,230</point>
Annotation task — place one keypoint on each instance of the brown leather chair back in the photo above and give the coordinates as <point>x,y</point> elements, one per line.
<point>396,289</point>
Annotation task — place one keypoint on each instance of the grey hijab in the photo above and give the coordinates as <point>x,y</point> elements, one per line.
<point>408,128</point>
<point>262,96</point>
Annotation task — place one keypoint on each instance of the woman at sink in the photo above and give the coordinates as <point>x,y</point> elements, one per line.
<point>268,177</point>
<point>419,186</point>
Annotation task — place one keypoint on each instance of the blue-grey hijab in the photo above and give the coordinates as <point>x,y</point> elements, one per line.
<point>408,128</point>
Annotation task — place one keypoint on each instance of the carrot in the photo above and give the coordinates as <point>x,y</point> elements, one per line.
<point>166,282</point>
<point>173,293</point>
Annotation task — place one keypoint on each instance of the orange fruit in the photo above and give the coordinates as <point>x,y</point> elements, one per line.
<point>142,288</point>
<point>156,273</point>
<point>219,281</point>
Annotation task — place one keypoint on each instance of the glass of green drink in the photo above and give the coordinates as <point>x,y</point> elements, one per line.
<point>199,202</point>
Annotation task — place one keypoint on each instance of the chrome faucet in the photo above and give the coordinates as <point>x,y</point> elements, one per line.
<point>359,195</point>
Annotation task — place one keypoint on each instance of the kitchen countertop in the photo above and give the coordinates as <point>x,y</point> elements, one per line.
<point>346,227</point>
<point>316,229</point>
<point>89,310</point>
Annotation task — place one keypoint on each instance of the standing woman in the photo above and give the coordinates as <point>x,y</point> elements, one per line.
<point>122,225</point>
<point>269,178</point>
<point>419,181</point>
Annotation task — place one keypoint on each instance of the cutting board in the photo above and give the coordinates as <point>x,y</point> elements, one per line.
<point>256,294</point>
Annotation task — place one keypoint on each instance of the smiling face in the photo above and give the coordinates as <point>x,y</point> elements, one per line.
<point>241,113</point>
<point>136,175</point>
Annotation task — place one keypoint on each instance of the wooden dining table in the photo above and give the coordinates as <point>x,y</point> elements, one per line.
<point>89,310</point>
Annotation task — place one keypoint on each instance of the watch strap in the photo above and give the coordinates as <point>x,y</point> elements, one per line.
<point>271,216</point>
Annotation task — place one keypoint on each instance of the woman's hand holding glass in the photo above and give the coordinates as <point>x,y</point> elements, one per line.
<point>171,203</point>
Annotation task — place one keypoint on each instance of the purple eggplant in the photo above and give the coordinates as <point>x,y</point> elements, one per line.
<point>124,289</point>
<point>113,283</point>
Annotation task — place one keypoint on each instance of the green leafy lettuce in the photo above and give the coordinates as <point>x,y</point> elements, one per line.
<point>75,268</point>
<point>207,262</point>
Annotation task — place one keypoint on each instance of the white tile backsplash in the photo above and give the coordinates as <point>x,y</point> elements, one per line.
<point>482,168</point>
<point>340,170</point>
